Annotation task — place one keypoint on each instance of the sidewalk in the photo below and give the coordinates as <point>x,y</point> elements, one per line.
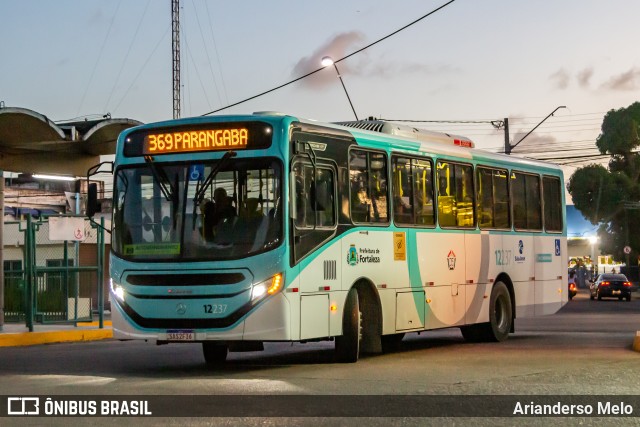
<point>17,334</point>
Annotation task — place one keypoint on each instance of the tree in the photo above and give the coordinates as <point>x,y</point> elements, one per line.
<point>608,196</point>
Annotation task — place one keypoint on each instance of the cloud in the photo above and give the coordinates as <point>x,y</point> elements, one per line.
<point>337,47</point>
<point>629,80</point>
<point>533,143</point>
<point>343,44</point>
<point>584,77</point>
<point>560,79</point>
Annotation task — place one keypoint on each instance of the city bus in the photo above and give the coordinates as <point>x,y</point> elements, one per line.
<point>233,231</point>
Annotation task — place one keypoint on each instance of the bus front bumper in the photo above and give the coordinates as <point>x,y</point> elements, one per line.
<point>268,321</point>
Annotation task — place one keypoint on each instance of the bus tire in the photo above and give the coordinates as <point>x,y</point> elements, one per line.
<point>347,349</point>
<point>500,318</point>
<point>500,313</point>
<point>214,353</point>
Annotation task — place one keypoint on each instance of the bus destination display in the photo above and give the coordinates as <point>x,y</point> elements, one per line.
<point>211,137</point>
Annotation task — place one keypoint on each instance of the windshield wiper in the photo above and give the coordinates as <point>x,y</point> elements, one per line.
<point>169,191</point>
<point>202,189</point>
<point>162,179</point>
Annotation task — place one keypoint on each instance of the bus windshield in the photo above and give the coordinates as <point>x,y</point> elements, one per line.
<point>210,210</point>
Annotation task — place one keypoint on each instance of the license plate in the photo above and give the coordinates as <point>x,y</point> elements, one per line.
<point>616,292</point>
<point>181,335</point>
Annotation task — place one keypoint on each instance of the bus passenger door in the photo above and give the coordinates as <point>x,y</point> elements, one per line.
<point>314,221</point>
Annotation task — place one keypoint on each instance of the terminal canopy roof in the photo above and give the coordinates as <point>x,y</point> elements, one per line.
<point>32,143</point>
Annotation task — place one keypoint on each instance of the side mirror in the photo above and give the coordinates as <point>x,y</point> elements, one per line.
<point>92,200</point>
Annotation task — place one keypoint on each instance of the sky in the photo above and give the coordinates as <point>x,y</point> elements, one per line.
<point>472,61</point>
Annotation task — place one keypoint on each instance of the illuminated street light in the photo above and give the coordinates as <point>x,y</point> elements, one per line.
<point>328,61</point>
<point>54,177</point>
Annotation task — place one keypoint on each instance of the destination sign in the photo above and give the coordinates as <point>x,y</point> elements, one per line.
<point>201,137</point>
<point>176,142</point>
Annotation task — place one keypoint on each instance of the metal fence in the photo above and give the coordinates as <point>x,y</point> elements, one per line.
<point>50,281</point>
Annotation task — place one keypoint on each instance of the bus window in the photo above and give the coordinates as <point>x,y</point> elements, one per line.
<point>455,195</point>
<point>552,204</point>
<point>413,192</point>
<point>368,182</point>
<point>526,201</point>
<point>402,191</point>
<point>492,198</point>
<point>315,205</point>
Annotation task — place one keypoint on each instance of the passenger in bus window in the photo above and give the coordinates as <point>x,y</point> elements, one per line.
<point>223,208</point>
<point>442,189</point>
<point>208,211</point>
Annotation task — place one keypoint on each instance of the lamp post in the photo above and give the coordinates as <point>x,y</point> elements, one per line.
<point>326,62</point>
<point>593,241</point>
<point>508,147</point>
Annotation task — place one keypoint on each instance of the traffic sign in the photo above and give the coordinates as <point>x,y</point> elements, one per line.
<point>627,250</point>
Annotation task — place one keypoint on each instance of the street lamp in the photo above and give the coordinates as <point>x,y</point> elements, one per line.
<point>328,61</point>
<point>508,147</point>
<point>593,240</point>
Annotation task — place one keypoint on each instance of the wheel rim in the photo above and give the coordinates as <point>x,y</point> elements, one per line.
<point>501,314</point>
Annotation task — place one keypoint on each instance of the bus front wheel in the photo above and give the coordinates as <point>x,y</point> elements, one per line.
<point>347,348</point>
<point>214,353</point>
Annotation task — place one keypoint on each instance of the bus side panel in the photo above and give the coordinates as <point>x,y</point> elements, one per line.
<point>369,255</point>
<point>518,260</point>
<point>479,266</point>
<point>549,289</point>
<point>441,257</point>
<point>321,276</point>
<point>269,322</point>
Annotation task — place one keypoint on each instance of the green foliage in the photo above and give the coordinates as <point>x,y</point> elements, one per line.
<point>596,192</point>
<point>604,195</point>
<point>620,130</point>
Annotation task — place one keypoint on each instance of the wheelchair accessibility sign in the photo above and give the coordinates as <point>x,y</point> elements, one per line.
<point>196,172</point>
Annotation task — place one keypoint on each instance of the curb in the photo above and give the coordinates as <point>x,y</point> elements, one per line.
<point>636,342</point>
<point>19,339</point>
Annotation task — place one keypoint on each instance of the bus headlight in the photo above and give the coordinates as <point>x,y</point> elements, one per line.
<point>267,287</point>
<point>117,290</point>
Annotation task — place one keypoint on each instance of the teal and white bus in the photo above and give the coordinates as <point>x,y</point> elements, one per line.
<point>238,230</point>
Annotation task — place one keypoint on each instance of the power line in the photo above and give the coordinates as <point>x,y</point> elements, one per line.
<point>440,121</point>
<point>215,48</point>
<point>206,51</point>
<point>143,67</point>
<point>95,67</point>
<point>335,62</point>
<point>124,61</point>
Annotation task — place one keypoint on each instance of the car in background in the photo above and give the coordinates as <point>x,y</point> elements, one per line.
<point>611,285</point>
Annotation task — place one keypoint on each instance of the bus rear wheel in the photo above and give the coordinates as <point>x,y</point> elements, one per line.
<point>500,318</point>
<point>214,353</point>
<point>347,348</point>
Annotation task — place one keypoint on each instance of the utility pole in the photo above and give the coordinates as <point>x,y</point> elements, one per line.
<point>175,24</point>
<point>507,145</point>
